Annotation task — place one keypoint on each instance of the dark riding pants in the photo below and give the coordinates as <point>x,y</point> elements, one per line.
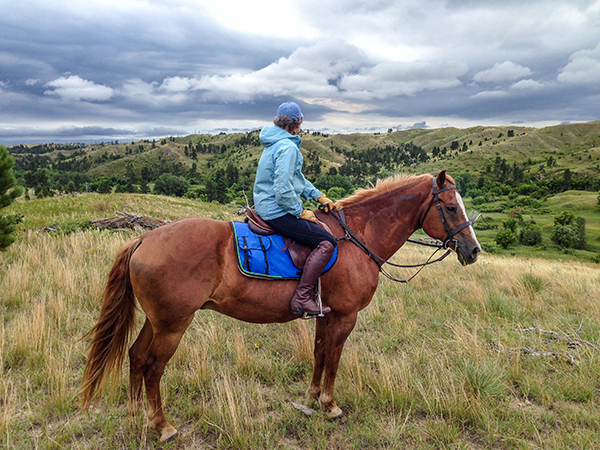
<point>302,231</point>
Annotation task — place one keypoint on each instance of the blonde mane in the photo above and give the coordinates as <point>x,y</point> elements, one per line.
<point>381,187</point>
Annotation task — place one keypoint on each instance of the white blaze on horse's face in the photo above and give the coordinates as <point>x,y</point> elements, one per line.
<point>459,200</point>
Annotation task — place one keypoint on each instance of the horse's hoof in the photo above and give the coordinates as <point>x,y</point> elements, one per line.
<point>336,414</point>
<point>169,435</point>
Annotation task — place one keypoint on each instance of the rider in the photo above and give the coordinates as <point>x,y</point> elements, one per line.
<point>278,189</point>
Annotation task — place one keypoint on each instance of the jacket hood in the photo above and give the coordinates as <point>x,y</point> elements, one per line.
<point>271,134</point>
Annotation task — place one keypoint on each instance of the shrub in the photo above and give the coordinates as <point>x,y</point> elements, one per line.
<point>510,224</point>
<point>505,238</point>
<point>569,231</point>
<point>530,235</point>
<point>526,189</point>
<point>485,223</point>
<point>479,200</point>
<point>490,248</point>
<point>564,218</point>
<point>580,228</point>
<point>564,236</point>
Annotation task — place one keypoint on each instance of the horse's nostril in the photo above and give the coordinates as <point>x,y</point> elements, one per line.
<point>476,251</point>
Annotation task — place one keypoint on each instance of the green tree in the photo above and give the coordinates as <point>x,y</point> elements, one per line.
<point>172,185</point>
<point>335,193</point>
<point>104,187</point>
<point>216,187</point>
<point>8,192</point>
<point>232,174</point>
<point>463,182</point>
<point>144,189</point>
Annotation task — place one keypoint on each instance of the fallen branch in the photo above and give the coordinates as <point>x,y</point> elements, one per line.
<point>532,352</point>
<point>305,409</point>
<point>127,221</point>
<point>558,337</point>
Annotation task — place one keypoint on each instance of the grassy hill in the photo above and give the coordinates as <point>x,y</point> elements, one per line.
<point>475,156</point>
<point>583,204</point>
<point>574,146</point>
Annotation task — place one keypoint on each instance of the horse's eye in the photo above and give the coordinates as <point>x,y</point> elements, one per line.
<point>451,209</point>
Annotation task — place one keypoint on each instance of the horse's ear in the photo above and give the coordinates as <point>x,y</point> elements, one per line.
<point>441,179</point>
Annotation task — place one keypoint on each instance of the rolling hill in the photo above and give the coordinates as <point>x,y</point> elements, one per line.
<point>573,146</point>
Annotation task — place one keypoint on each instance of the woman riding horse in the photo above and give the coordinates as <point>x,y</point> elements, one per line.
<point>278,191</point>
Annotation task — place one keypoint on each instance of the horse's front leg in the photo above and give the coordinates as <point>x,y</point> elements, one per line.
<point>314,389</point>
<point>332,332</point>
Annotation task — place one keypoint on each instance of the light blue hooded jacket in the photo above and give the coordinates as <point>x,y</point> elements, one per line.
<point>279,183</point>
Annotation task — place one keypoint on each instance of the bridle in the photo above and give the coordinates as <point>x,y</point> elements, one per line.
<point>350,236</point>
<point>449,233</point>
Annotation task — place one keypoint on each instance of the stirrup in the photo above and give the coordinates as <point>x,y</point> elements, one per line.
<point>305,315</point>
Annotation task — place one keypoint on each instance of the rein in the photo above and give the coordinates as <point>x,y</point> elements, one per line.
<point>350,236</point>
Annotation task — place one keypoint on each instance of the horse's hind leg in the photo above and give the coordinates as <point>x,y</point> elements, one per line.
<point>137,356</point>
<point>161,349</point>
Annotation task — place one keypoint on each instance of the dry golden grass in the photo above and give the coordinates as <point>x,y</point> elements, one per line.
<point>436,363</point>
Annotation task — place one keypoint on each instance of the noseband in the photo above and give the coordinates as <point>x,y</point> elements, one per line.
<point>449,233</point>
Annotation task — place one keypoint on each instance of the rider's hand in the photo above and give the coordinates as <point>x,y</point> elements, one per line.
<point>308,215</point>
<point>328,203</point>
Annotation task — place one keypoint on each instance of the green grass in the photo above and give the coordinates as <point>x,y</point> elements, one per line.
<point>67,211</point>
<point>584,204</point>
<point>436,363</point>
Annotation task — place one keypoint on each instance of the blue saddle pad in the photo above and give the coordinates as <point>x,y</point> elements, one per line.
<point>264,256</point>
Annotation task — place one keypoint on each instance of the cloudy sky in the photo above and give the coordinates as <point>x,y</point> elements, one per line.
<point>73,70</point>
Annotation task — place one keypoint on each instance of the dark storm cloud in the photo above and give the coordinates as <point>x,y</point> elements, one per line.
<point>123,69</point>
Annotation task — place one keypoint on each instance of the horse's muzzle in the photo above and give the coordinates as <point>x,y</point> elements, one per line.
<point>467,252</point>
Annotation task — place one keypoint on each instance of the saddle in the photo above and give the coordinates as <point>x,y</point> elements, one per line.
<point>298,252</point>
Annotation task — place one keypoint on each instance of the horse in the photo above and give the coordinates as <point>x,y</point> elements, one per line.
<point>191,264</point>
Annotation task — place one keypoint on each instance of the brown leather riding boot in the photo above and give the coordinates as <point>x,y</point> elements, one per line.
<point>304,298</point>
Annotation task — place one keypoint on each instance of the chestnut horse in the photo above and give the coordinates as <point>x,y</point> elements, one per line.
<point>191,264</point>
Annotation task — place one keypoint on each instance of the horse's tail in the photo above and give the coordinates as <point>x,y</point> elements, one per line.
<point>112,331</point>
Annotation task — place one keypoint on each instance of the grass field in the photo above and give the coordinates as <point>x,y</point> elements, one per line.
<point>581,203</point>
<point>502,354</point>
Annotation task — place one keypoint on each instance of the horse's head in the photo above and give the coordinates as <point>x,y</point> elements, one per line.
<point>450,223</point>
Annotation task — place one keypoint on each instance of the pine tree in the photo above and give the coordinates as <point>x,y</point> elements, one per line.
<point>8,192</point>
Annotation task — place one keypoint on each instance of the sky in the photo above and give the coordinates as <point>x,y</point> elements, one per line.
<point>73,70</point>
